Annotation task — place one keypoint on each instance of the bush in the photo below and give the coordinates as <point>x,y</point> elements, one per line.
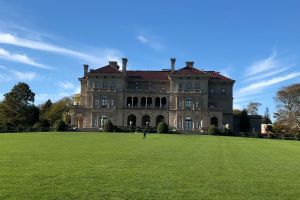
<point>213,130</point>
<point>162,127</point>
<point>42,125</point>
<point>59,125</point>
<point>108,126</point>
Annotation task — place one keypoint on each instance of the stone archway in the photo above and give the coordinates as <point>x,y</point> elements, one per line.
<point>145,118</point>
<point>131,118</point>
<point>214,121</point>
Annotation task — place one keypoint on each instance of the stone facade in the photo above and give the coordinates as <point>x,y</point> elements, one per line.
<point>187,99</point>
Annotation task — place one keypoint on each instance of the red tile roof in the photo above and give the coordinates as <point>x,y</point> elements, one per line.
<point>217,75</point>
<point>188,70</point>
<point>108,69</point>
<point>162,75</point>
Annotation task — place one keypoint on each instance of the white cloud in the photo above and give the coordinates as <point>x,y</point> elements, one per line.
<point>2,67</point>
<point>21,58</point>
<point>14,75</point>
<point>66,85</point>
<point>142,39</point>
<point>150,42</point>
<point>24,76</point>
<point>267,74</point>
<point>260,86</point>
<point>7,38</point>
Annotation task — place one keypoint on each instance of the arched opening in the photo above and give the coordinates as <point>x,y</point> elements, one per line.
<point>188,124</point>
<point>145,118</point>
<point>164,102</point>
<point>214,121</point>
<point>131,120</point>
<point>135,101</point>
<point>149,102</point>
<point>159,118</point>
<point>157,102</point>
<point>129,101</point>
<point>143,101</point>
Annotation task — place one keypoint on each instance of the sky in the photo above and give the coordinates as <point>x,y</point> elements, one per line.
<point>45,43</point>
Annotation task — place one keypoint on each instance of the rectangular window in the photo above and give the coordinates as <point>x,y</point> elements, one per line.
<point>189,86</point>
<point>180,105</point>
<point>104,85</point>
<point>180,86</point>
<point>113,86</point>
<point>188,103</point>
<point>197,86</point>
<point>104,102</point>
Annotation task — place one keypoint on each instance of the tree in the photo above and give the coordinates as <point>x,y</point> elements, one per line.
<point>17,108</point>
<point>252,108</point>
<point>59,111</point>
<point>44,108</point>
<point>108,126</point>
<point>288,104</point>
<point>162,127</point>
<point>244,121</point>
<point>266,118</point>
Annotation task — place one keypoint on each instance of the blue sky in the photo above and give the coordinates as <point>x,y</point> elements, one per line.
<point>45,43</point>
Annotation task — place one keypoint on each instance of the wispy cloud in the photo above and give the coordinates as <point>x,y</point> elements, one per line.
<point>150,42</point>
<point>260,86</point>
<point>66,85</point>
<point>267,67</point>
<point>21,58</point>
<point>7,38</point>
<point>14,75</point>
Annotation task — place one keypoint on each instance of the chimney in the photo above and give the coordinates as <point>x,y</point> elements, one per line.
<point>85,69</point>
<point>124,64</point>
<point>173,60</point>
<point>189,63</point>
<point>114,64</point>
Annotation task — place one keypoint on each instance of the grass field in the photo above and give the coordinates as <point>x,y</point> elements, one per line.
<point>124,166</point>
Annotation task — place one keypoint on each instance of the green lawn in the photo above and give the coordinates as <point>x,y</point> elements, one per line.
<point>124,166</point>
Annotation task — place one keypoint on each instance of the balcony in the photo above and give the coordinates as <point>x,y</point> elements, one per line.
<point>135,91</point>
<point>150,107</point>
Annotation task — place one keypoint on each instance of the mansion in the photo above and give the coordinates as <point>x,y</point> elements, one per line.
<point>187,99</point>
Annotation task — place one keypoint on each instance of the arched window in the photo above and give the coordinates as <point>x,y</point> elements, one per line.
<point>135,101</point>
<point>163,102</point>
<point>145,119</point>
<point>157,102</point>
<point>129,101</point>
<point>143,101</point>
<point>214,121</point>
<point>149,102</point>
<point>131,120</point>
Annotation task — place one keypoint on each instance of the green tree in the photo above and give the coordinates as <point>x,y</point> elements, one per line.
<point>162,127</point>
<point>288,104</point>
<point>59,111</point>
<point>44,108</point>
<point>17,108</point>
<point>252,108</point>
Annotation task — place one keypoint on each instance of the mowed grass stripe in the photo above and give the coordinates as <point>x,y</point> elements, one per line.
<point>124,166</point>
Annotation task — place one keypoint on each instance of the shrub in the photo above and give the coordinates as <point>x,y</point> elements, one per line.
<point>213,130</point>
<point>59,125</point>
<point>162,127</point>
<point>108,126</point>
<point>42,125</point>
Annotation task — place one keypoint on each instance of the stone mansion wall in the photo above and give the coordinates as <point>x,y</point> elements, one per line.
<point>187,99</point>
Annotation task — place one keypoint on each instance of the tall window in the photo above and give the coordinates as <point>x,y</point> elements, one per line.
<point>113,85</point>
<point>104,102</point>
<point>180,86</point>
<point>188,103</point>
<point>104,85</point>
<point>197,86</point>
<point>180,105</point>
<point>189,86</point>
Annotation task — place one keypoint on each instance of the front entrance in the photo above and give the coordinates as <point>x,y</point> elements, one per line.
<point>188,124</point>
